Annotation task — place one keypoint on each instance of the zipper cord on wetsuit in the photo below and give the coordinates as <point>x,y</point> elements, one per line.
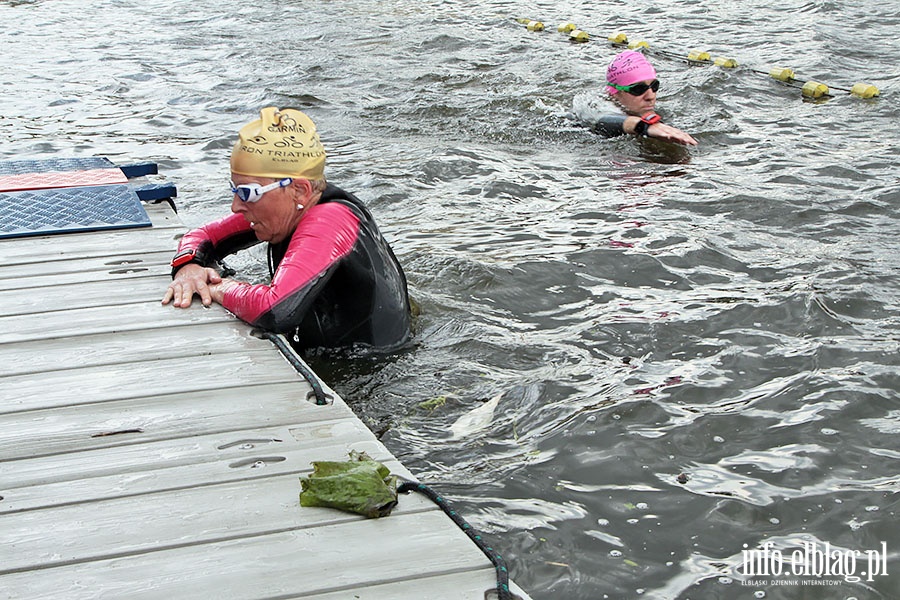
<point>503,592</point>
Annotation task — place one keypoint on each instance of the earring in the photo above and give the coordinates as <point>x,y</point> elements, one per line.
<point>299,207</point>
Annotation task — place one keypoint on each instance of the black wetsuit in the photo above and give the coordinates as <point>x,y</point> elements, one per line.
<point>335,281</point>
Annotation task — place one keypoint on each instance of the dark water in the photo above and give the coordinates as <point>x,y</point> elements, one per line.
<point>690,353</point>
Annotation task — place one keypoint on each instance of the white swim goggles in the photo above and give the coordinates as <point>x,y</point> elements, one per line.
<point>252,192</point>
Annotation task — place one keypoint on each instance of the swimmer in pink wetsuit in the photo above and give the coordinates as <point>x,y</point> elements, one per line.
<point>335,280</point>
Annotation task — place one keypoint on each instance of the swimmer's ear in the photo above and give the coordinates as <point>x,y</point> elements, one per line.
<point>302,186</point>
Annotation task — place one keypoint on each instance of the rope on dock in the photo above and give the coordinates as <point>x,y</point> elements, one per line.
<point>321,397</point>
<point>503,592</point>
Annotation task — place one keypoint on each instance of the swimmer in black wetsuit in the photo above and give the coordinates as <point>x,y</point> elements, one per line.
<point>336,283</point>
<point>632,84</point>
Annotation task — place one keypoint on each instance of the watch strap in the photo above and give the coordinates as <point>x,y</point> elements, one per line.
<point>646,121</point>
<point>184,257</point>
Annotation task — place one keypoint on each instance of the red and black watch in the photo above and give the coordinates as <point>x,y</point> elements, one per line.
<point>646,121</point>
<point>188,255</point>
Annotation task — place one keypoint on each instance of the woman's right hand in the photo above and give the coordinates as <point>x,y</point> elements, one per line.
<point>189,280</point>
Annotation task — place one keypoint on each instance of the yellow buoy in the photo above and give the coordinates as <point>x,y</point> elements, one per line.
<point>523,20</point>
<point>698,56</point>
<point>864,90</point>
<point>782,74</point>
<point>814,89</point>
<point>638,44</point>
<point>577,35</point>
<point>618,38</point>
<point>726,63</point>
<point>535,26</point>
<point>566,27</point>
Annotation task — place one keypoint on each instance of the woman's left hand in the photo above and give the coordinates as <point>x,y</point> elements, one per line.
<point>217,290</point>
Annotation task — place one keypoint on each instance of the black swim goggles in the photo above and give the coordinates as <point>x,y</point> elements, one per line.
<point>636,89</point>
<point>252,192</point>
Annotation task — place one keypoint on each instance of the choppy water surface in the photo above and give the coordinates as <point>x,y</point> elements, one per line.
<point>690,352</point>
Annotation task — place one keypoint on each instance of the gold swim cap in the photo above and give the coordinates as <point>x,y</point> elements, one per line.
<point>281,143</point>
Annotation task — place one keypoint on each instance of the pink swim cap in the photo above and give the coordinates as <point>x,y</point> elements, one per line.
<point>627,68</point>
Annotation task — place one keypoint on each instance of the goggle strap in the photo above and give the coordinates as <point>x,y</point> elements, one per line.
<point>628,89</point>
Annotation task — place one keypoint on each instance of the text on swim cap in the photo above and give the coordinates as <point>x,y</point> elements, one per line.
<point>282,154</point>
<point>284,128</point>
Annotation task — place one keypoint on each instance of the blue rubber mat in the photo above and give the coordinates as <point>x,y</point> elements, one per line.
<point>21,167</point>
<point>68,210</point>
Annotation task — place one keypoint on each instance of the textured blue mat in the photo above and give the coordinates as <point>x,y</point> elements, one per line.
<point>68,210</point>
<point>22,167</point>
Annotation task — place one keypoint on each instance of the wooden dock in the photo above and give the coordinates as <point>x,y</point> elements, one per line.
<point>152,452</point>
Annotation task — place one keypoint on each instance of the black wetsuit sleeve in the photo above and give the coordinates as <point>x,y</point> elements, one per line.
<point>611,125</point>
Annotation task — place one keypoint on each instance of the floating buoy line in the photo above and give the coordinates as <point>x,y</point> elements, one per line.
<point>808,88</point>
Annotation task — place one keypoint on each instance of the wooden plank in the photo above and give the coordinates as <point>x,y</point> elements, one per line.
<point>477,585</point>
<point>36,356</point>
<point>124,318</point>
<point>76,270</point>
<point>162,216</point>
<point>85,294</point>
<point>121,468</point>
<point>73,428</point>
<point>294,563</point>
<point>116,383</point>
<point>75,533</point>
<point>292,454</point>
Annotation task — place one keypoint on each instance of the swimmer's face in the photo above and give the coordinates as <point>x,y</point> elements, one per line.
<point>274,216</point>
<point>638,105</point>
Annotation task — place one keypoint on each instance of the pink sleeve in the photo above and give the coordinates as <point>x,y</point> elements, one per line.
<point>325,235</point>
